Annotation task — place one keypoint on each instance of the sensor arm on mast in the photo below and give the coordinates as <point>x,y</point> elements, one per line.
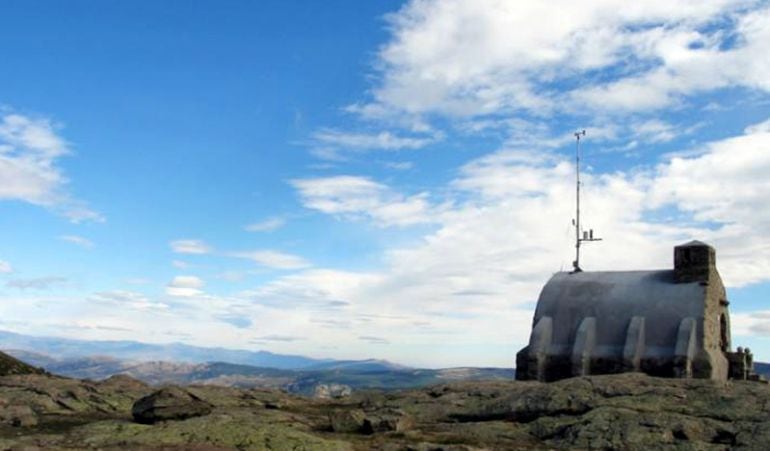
<point>589,235</point>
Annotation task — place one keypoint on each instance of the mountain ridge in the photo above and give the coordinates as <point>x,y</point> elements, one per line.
<point>364,374</point>
<point>135,350</point>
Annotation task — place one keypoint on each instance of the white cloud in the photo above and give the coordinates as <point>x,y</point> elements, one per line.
<point>399,165</point>
<point>180,264</point>
<point>185,286</point>
<point>726,185</point>
<point>656,131</point>
<point>359,197</point>
<point>29,152</point>
<point>315,287</point>
<point>190,247</point>
<point>273,259</point>
<point>285,338</point>
<point>268,225</point>
<point>127,299</point>
<point>36,283</point>
<point>476,57</point>
<point>332,144</point>
<point>762,127</point>
<point>751,324</point>
<point>691,62</point>
<point>476,278</point>
<point>365,141</point>
<point>36,136</point>
<point>233,276</point>
<point>5,267</point>
<point>77,240</point>
<point>374,340</point>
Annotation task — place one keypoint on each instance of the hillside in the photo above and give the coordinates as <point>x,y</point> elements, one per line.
<point>628,411</point>
<point>10,365</point>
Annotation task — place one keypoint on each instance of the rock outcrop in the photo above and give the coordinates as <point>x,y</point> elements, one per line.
<point>331,391</point>
<point>625,411</point>
<point>169,403</point>
<point>347,421</point>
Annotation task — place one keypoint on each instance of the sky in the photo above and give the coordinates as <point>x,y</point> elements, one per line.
<point>389,179</point>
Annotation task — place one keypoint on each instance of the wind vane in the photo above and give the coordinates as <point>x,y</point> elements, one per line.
<point>585,236</point>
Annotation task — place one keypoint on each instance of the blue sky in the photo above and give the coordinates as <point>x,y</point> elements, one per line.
<point>369,179</point>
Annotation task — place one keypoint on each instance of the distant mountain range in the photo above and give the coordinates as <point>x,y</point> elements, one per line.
<point>184,364</point>
<point>377,374</point>
<point>66,348</point>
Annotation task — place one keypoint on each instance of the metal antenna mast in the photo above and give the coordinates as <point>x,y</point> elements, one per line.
<point>589,235</point>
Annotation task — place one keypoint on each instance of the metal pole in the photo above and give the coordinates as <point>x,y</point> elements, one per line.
<point>576,263</point>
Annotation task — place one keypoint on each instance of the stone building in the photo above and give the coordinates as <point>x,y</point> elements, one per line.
<point>668,323</point>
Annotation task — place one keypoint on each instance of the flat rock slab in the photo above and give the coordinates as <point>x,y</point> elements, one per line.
<point>170,403</point>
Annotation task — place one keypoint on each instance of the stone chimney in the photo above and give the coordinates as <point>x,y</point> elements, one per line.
<point>694,262</point>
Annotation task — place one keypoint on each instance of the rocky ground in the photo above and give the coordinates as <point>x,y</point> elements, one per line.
<point>629,411</point>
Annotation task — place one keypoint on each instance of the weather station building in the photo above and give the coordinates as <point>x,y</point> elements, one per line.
<point>666,323</point>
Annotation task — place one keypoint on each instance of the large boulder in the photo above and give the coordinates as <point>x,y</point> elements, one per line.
<point>380,420</point>
<point>169,403</point>
<point>347,421</point>
<point>387,420</point>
